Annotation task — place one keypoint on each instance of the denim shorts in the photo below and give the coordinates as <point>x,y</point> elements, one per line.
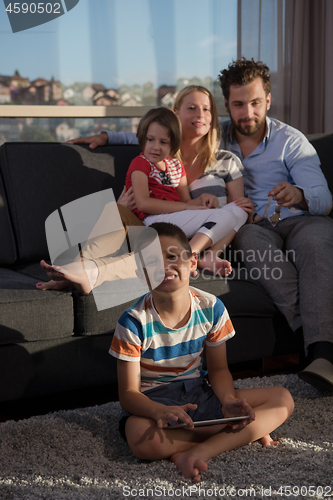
<point>196,390</point>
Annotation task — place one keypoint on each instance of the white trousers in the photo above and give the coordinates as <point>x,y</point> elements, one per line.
<point>215,223</point>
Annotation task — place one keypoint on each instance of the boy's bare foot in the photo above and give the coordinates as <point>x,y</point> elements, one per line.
<point>214,264</point>
<point>60,277</point>
<point>189,465</point>
<point>268,441</point>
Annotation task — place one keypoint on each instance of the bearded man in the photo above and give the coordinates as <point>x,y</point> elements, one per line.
<point>292,200</point>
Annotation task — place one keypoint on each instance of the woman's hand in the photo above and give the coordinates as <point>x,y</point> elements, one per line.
<point>209,200</point>
<point>94,141</point>
<point>127,199</point>
<point>247,205</point>
<point>205,200</point>
<point>164,414</point>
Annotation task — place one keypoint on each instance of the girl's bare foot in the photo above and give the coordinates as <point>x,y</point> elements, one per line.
<point>268,441</point>
<point>214,264</point>
<point>189,465</point>
<point>56,285</point>
<point>61,277</point>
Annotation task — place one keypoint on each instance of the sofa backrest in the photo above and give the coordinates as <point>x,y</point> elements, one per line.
<point>323,144</point>
<point>8,254</point>
<point>39,178</point>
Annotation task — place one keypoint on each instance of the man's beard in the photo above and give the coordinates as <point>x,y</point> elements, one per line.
<point>248,129</point>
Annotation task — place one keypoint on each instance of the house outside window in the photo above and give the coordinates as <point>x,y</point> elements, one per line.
<point>103,63</point>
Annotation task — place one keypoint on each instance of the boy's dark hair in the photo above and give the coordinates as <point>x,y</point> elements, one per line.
<point>173,231</point>
<point>242,72</point>
<point>166,118</point>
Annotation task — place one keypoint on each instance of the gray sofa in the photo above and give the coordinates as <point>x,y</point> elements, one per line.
<point>54,341</point>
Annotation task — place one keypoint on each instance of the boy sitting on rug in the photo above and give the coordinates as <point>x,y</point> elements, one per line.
<point>158,343</point>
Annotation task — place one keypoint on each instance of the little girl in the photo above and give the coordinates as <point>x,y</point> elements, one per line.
<point>162,195</point>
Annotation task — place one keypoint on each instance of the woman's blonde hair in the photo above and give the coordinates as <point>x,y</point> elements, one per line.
<point>211,140</point>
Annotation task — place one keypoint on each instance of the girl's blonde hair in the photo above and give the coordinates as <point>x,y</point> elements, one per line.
<point>211,140</point>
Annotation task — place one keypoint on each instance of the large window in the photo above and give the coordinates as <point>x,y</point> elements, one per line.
<point>102,63</point>
<point>111,53</point>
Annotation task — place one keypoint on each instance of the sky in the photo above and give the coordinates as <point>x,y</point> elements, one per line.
<point>117,42</point>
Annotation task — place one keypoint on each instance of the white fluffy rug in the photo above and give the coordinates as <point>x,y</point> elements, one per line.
<point>79,455</point>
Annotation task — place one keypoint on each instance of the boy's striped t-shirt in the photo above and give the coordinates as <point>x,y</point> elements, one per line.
<point>166,354</point>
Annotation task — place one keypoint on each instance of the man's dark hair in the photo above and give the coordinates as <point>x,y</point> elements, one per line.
<point>242,72</point>
<point>173,231</point>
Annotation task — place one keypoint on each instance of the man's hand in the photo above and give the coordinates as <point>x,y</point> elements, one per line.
<point>164,414</point>
<point>247,205</point>
<point>94,141</point>
<point>287,195</point>
<point>238,408</point>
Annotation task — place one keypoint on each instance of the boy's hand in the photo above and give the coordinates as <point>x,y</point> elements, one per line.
<point>164,414</point>
<point>238,408</point>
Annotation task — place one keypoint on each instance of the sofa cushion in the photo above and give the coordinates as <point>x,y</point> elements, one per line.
<point>28,314</point>
<point>90,321</point>
<point>241,297</point>
<point>39,178</point>
<point>253,315</point>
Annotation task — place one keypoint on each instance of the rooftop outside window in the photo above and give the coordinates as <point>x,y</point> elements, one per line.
<point>103,62</point>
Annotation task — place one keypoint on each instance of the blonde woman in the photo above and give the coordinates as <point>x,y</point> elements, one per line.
<point>208,168</point>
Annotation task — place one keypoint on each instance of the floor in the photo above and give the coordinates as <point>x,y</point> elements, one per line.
<point>70,400</point>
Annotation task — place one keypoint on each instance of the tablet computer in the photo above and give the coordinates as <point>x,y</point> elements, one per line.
<point>216,421</point>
